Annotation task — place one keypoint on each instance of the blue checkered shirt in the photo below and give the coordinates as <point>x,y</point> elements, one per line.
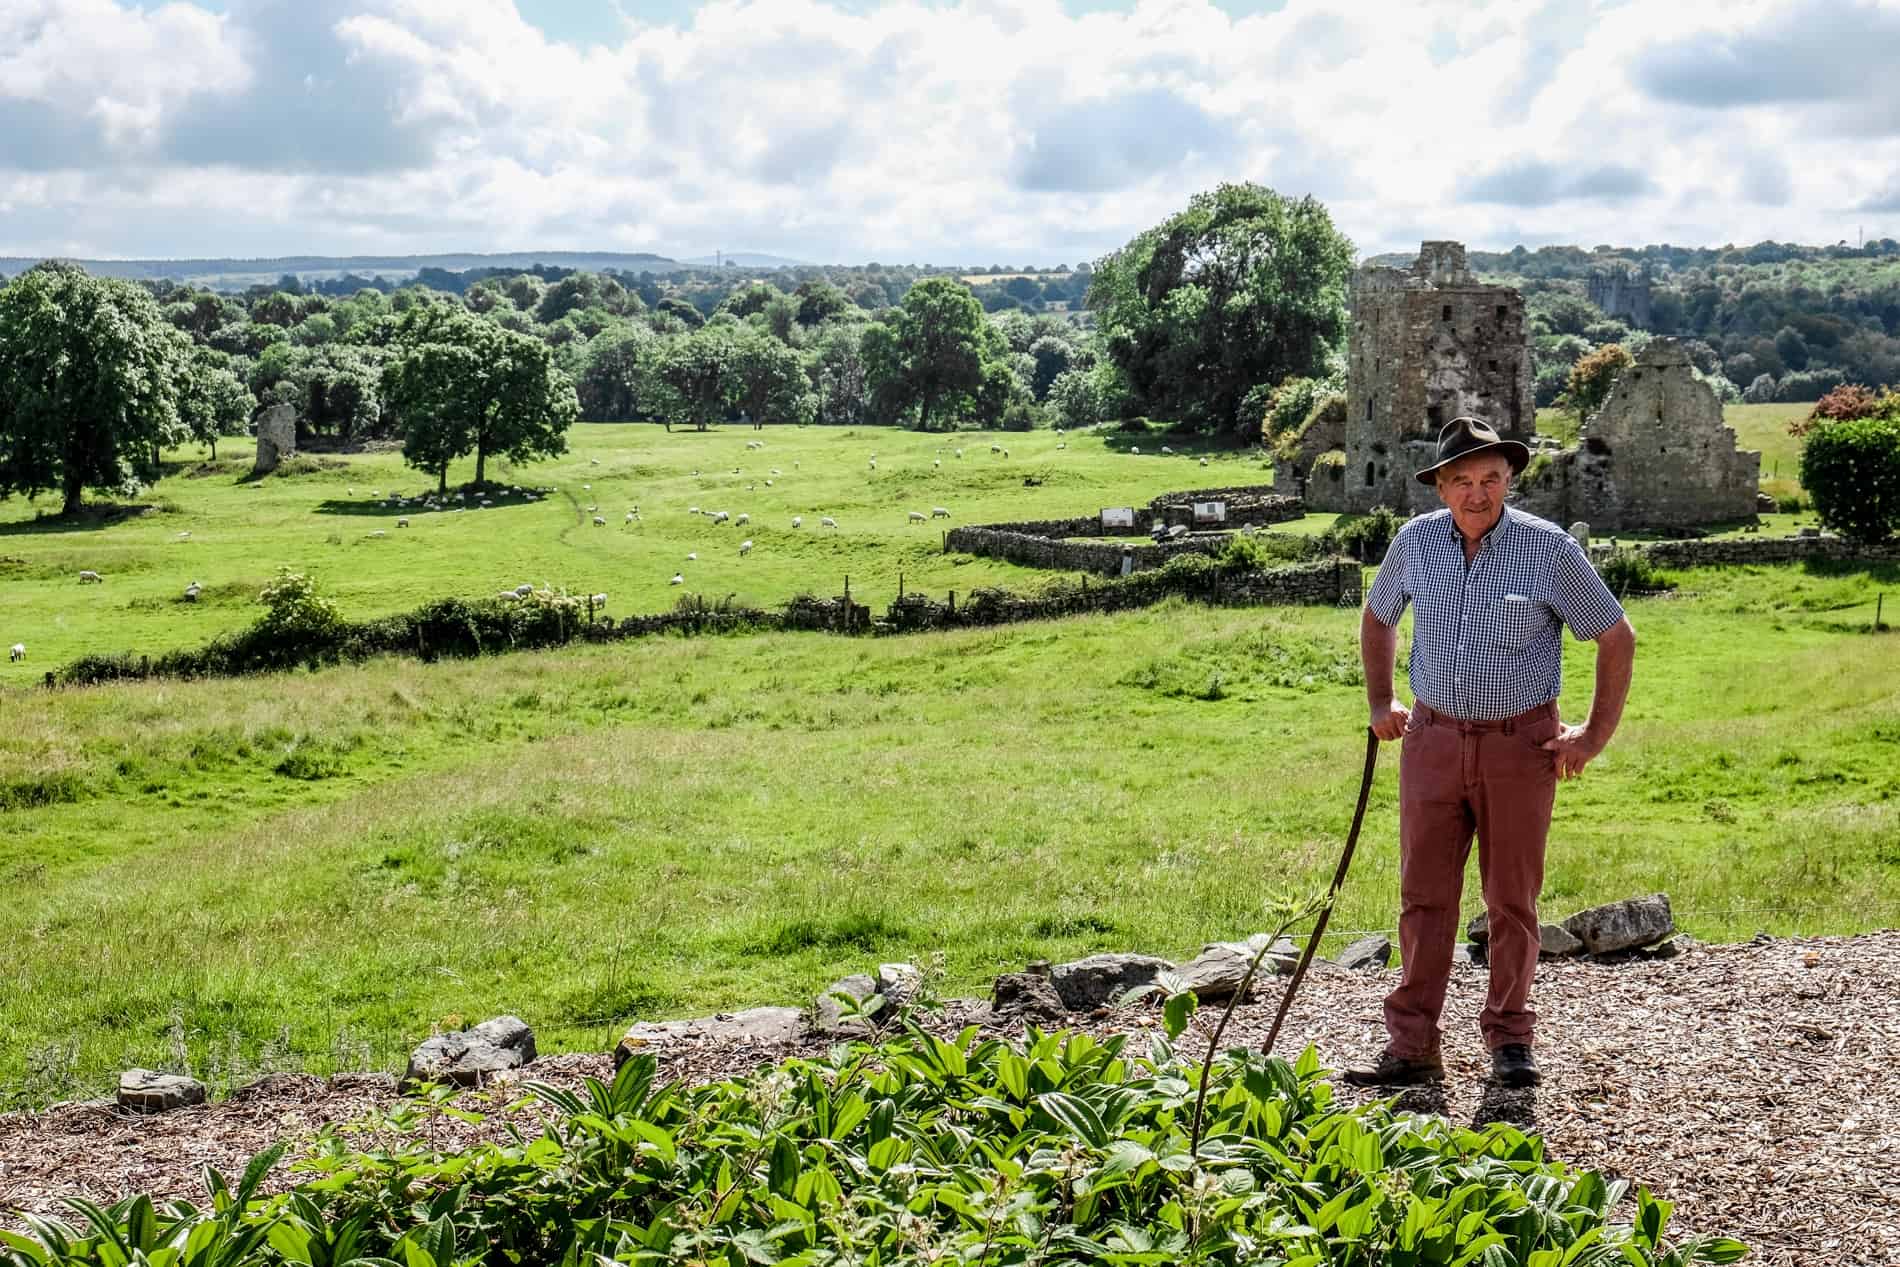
<point>1487,640</point>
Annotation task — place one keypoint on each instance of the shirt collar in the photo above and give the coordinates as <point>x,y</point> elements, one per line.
<point>1491,538</point>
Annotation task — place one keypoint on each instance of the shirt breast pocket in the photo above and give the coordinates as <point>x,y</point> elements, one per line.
<point>1522,620</point>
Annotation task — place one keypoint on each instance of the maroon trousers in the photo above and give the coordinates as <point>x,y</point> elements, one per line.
<point>1457,777</point>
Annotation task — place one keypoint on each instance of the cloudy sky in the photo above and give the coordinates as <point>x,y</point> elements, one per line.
<point>971,131</point>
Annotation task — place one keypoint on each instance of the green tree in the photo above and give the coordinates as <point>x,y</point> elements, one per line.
<point>461,384</point>
<point>1591,378</point>
<point>769,380</point>
<point>1243,287</point>
<point>89,374</point>
<point>931,354</point>
<point>212,400</point>
<point>614,371</point>
<point>1851,468</point>
<point>698,373</point>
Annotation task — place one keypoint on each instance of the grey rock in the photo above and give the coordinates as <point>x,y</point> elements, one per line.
<point>1218,970</point>
<point>828,1013</point>
<point>1636,921</point>
<point>1028,996</point>
<point>1087,984</point>
<point>276,438</point>
<point>1471,954</point>
<point>468,1058</point>
<point>1366,954</point>
<point>899,983</point>
<point>758,1026</point>
<point>146,1091</point>
<point>1580,533</point>
<point>1479,929</point>
<point>1674,948</point>
<point>1556,941</point>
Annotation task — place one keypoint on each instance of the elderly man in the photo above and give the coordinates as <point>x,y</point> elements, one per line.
<point>1492,588</point>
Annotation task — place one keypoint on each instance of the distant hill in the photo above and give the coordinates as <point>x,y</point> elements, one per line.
<point>744,259</point>
<point>236,274</point>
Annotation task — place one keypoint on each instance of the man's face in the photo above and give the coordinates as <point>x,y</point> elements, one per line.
<point>1474,488</point>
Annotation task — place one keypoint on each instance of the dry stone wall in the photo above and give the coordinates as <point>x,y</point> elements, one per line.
<point>1740,551</point>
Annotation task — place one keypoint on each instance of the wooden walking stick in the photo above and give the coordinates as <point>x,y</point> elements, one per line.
<point>1332,894</point>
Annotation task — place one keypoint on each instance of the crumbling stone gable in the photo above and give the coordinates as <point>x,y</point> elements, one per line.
<point>1428,344</point>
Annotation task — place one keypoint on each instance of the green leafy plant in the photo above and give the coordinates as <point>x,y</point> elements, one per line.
<point>1631,572</point>
<point>1851,469</point>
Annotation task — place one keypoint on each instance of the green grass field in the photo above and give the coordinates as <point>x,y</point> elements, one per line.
<point>315,868</point>
<point>321,520</point>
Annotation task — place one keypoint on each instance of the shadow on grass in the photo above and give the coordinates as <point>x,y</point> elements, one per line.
<point>88,518</point>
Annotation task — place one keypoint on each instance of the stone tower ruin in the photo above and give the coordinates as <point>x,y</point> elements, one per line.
<point>1428,345</point>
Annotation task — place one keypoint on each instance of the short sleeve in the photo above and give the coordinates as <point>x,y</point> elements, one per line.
<point>1580,596</point>
<point>1389,592</point>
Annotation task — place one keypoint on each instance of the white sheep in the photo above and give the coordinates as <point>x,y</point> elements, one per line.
<point>720,516</point>
<point>600,521</point>
<point>745,547</point>
<point>587,488</point>
<point>192,591</point>
<point>936,461</point>
<point>629,519</point>
<point>959,452</point>
<point>828,522</point>
<point>598,600</point>
<point>1135,449</point>
<point>184,536</point>
<point>593,461</point>
<point>1005,452</point>
<point>768,483</point>
<point>798,521</point>
<point>1062,444</point>
<point>677,579</point>
<point>692,556</point>
<point>89,577</point>
<point>523,590</point>
<point>379,533</point>
<point>916,517</point>
<point>402,523</point>
<point>592,509</point>
<point>743,519</point>
<point>874,464</point>
<point>692,510</point>
<point>1166,449</point>
<point>18,653</point>
<point>1203,461</point>
<point>996,448</point>
<point>939,512</point>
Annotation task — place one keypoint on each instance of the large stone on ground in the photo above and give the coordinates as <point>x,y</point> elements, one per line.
<point>1087,984</point>
<point>1366,954</point>
<point>1557,941</point>
<point>467,1058</point>
<point>1026,996</point>
<point>900,984</point>
<point>758,1026</point>
<point>276,438</point>
<point>1218,970</point>
<point>828,1013</point>
<point>1636,921</point>
<point>146,1091</point>
<point>1479,929</point>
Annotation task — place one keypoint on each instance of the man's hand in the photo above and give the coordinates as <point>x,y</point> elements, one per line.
<point>1575,748</point>
<point>1389,723</point>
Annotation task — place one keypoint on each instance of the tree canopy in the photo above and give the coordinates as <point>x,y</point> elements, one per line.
<point>1243,288</point>
<point>89,384</point>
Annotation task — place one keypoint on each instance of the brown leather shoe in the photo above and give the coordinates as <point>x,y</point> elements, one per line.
<point>1397,1071</point>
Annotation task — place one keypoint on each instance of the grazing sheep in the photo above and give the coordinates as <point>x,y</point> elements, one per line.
<point>593,461</point>
<point>523,590</point>
<point>17,653</point>
<point>379,533</point>
<point>1062,444</point>
<point>192,591</point>
<point>720,516</point>
<point>745,547</point>
<point>1203,461</point>
<point>874,464</point>
<point>1135,449</point>
<point>1166,449</point>
<point>996,448</point>
<point>599,521</point>
<point>828,522</point>
<point>89,577</point>
<point>677,579</point>
<point>959,452</point>
<point>798,521</point>
<point>939,512</point>
<point>1005,452</point>
<point>630,518</point>
<point>598,600</point>
<point>776,471</point>
<point>587,488</point>
<point>743,519</point>
<point>184,536</point>
<point>916,517</point>
<point>692,556</point>
<point>936,461</point>
<point>768,483</point>
<point>692,510</point>
<point>402,523</point>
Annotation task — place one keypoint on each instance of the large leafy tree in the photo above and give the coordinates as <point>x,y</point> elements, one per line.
<point>212,399</point>
<point>770,381</point>
<point>1851,468</point>
<point>1245,287</point>
<point>698,374</point>
<point>461,384</point>
<point>930,354</point>
<point>89,375</point>
<point>614,369</point>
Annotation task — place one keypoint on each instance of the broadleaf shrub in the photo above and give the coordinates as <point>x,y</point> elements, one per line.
<point>1063,1149</point>
<point>1852,471</point>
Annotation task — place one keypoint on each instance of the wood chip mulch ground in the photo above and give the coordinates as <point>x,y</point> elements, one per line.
<point>1757,1085</point>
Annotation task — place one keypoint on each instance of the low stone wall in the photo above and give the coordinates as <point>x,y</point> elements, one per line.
<point>1329,582</point>
<point>1102,559</point>
<point>1255,504</point>
<point>1730,551</point>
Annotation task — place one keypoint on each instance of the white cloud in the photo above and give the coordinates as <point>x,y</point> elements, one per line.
<point>984,130</point>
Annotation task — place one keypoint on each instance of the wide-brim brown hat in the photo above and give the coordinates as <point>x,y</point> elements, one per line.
<point>1462,437</point>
